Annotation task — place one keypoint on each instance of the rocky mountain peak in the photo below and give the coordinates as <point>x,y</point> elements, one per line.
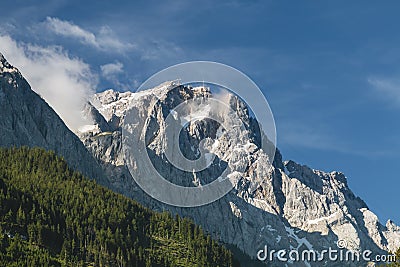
<point>290,205</point>
<point>5,66</point>
<point>27,120</point>
<point>10,74</point>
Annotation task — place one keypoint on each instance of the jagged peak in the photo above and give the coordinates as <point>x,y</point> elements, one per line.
<point>293,166</point>
<point>5,66</point>
<point>391,226</point>
<point>110,95</point>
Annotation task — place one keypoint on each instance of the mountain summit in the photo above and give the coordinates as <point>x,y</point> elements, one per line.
<point>288,206</point>
<point>27,120</point>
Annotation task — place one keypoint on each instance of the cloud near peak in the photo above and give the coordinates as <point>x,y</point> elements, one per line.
<point>65,82</point>
<point>105,39</point>
<point>110,69</point>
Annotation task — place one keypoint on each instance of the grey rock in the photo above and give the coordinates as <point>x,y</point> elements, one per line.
<point>27,120</point>
<point>288,206</point>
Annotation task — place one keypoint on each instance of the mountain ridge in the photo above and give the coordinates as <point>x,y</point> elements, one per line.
<point>288,206</point>
<point>327,204</point>
<point>28,120</point>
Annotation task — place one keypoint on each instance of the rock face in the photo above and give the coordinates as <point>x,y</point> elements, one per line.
<point>27,120</point>
<point>287,206</point>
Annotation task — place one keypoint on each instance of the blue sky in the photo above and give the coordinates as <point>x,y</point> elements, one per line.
<point>330,71</point>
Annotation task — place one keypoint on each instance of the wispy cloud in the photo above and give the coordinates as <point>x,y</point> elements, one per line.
<point>388,88</point>
<point>63,81</point>
<point>105,39</point>
<point>114,73</point>
<point>111,69</point>
<point>69,29</point>
<point>320,138</point>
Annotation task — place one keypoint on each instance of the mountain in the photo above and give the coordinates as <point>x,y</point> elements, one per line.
<point>288,206</point>
<point>27,120</point>
<point>53,216</point>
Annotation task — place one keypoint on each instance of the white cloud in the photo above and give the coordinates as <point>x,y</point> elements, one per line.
<point>104,40</point>
<point>63,81</point>
<point>112,72</point>
<point>387,88</point>
<point>108,40</point>
<point>111,69</point>
<point>69,29</point>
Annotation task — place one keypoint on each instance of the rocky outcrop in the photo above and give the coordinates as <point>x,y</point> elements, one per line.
<point>27,120</point>
<point>287,206</point>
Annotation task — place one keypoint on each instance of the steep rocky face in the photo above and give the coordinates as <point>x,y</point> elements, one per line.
<point>288,206</point>
<point>27,120</point>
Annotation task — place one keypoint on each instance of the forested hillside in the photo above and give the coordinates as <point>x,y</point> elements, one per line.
<point>53,216</point>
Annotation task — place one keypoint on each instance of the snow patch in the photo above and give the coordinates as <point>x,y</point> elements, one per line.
<point>235,210</point>
<point>248,147</point>
<point>6,68</point>
<point>318,220</point>
<point>269,228</point>
<point>201,112</point>
<point>233,177</point>
<point>234,174</point>
<point>300,241</point>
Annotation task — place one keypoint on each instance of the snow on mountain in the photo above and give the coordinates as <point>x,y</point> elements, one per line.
<point>288,206</point>
<point>303,208</point>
